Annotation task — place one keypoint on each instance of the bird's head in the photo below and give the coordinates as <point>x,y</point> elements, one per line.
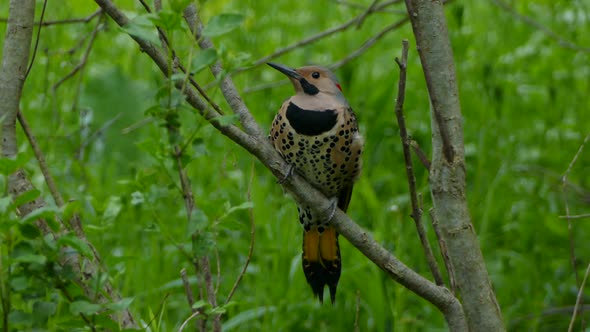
<point>311,80</point>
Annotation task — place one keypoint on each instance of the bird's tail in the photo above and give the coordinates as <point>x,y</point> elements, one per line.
<point>321,260</point>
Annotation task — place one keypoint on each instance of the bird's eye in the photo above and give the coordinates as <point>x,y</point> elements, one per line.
<point>315,74</point>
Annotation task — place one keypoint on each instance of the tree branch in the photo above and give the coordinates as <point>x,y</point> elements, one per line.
<point>447,172</point>
<point>405,138</point>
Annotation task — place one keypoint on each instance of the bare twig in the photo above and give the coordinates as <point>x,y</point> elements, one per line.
<point>380,8</point>
<point>353,55</point>
<point>549,312</point>
<point>65,21</point>
<point>326,33</point>
<point>579,300</point>
<point>252,238</point>
<point>576,216</point>
<point>90,138</point>
<point>570,226</point>
<point>548,32</point>
<point>368,43</point>
<point>367,12</point>
<point>36,40</point>
<point>187,289</point>
<point>186,321</point>
<point>443,251</point>
<point>59,201</point>
<point>357,310</point>
<point>420,154</point>
<point>416,208</point>
<point>84,59</point>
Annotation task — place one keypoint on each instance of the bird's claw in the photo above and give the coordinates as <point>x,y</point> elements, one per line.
<point>331,210</point>
<point>288,175</point>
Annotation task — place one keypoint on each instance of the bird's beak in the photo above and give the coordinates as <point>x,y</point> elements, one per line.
<point>285,70</point>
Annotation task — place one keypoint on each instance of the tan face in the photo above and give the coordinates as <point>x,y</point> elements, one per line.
<point>320,77</point>
<point>311,80</point>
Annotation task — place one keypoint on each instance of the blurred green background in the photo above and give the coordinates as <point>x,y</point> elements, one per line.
<point>525,105</point>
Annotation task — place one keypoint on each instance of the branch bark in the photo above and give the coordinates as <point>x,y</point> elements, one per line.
<point>447,172</point>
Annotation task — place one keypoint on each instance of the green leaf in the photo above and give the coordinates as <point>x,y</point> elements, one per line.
<point>113,208</point>
<point>222,24</point>
<point>10,165</point>
<point>198,221</point>
<point>26,197</point>
<point>247,316</point>
<point>29,231</point>
<point>18,284</point>
<point>201,304</point>
<point>46,212</point>
<point>179,5</point>
<point>167,20</point>
<point>202,243</point>
<point>41,312</point>
<point>243,206</point>
<point>70,209</point>
<point>142,27</point>
<point>136,198</point>
<point>31,259</point>
<point>19,317</point>
<point>203,59</point>
<point>78,244</point>
<point>84,307</point>
<point>120,305</point>
<point>5,205</point>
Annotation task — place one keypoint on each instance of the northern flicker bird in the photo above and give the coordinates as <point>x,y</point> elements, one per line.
<point>316,132</point>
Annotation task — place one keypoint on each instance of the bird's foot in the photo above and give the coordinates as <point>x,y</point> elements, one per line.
<point>288,175</point>
<point>331,210</point>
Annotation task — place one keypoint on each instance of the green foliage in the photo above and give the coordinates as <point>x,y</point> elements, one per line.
<point>109,135</point>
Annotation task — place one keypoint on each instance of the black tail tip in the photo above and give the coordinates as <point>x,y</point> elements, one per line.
<point>318,277</point>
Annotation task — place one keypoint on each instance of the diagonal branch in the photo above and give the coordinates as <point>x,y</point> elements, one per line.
<point>548,32</point>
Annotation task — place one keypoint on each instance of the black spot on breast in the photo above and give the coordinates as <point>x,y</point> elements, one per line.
<point>310,122</point>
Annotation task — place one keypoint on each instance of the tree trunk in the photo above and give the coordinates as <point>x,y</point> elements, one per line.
<point>447,172</point>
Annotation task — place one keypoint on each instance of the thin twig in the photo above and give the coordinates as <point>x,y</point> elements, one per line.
<point>443,252</point>
<point>353,55</point>
<point>575,216</point>
<point>36,41</point>
<point>65,21</point>
<point>187,289</point>
<point>380,8</point>
<point>357,311</point>
<point>579,300</point>
<point>84,59</point>
<point>416,208</point>
<point>59,201</point>
<point>252,238</point>
<point>369,42</point>
<point>548,32</point>
<point>194,314</point>
<point>366,13</point>
<point>326,33</point>
<point>570,227</point>
<point>90,138</point>
<point>420,154</point>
